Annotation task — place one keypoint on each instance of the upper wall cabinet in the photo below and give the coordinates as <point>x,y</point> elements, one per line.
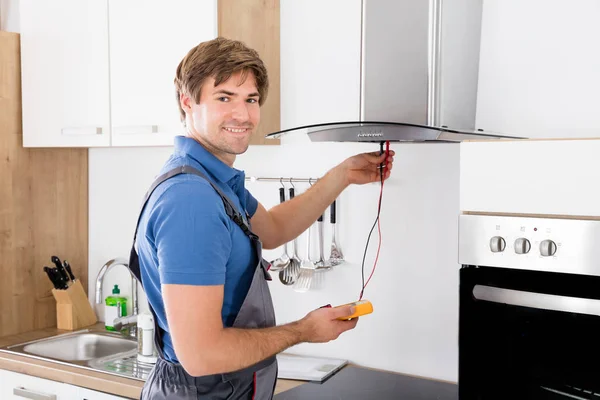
<point>148,39</point>
<point>103,76</point>
<point>538,72</point>
<point>64,73</point>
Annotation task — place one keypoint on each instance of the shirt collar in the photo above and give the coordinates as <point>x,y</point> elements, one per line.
<point>220,170</point>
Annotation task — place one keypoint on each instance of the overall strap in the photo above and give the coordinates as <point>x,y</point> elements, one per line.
<point>230,209</point>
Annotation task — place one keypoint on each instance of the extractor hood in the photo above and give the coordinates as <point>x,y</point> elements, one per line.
<point>359,131</point>
<point>414,67</point>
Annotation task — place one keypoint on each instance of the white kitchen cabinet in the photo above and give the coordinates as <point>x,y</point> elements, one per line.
<point>553,177</point>
<point>87,394</point>
<point>15,386</point>
<point>102,73</point>
<point>64,73</point>
<point>148,39</point>
<point>538,72</point>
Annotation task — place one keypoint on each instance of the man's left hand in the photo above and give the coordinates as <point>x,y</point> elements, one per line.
<point>364,168</point>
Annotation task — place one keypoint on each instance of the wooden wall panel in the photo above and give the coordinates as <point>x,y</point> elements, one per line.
<point>43,210</point>
<point>256,23</point>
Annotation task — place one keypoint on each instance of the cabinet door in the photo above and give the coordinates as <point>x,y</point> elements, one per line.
<point>64,73</point>
<point>15,386</point>
<point>148,39</point>
<point>87,394</point>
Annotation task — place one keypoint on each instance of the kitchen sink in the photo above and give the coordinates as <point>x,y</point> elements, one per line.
<point>80,347</point>
<point>102,351</point>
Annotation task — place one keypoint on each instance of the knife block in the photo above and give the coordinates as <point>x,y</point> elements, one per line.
<point>73,309</point>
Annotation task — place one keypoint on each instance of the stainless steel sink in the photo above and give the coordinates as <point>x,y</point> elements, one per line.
<point>80,347</point>
<point>97,350</point>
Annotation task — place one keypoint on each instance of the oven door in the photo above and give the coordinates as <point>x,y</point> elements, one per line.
<point>528,335</point>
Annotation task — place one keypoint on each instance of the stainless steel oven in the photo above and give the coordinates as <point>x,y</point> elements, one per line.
<point>529,308</point>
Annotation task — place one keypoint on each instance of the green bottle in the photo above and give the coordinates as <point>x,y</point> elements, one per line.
<point>111,308</point>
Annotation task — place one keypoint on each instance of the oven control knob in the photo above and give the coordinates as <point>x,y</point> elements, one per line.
<point>497,244</point>
<point>522,246</point>
<point>547,248</point>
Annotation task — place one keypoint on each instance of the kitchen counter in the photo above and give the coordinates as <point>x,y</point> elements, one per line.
<point>350,381</point>
<point>119,386</point>
<point>358,383</point>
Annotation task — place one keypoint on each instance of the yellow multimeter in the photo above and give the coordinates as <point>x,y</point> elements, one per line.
<point>361,307</point>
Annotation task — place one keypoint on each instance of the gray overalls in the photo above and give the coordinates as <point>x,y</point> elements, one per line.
<point>257,382</point>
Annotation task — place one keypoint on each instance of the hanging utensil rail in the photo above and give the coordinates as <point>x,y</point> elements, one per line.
<point>281,179</point>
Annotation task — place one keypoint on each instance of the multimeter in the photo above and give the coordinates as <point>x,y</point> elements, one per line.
<point>361,307</point>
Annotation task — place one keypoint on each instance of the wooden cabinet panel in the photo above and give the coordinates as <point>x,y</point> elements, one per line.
<point>256,23</point>
<point>43,210</point>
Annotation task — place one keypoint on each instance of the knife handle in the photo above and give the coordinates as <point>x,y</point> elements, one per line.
<point>68,269</point>
<point>48,272</point>
<point>61,269</point>
<point>61,281</point>
<point>55,278</point>
<point>332,213</point>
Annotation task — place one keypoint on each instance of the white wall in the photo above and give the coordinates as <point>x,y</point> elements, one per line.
<point>538,72</point>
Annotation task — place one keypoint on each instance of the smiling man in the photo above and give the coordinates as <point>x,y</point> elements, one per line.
<point>200,235</point>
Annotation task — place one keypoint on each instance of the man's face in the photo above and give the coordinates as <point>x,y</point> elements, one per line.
<point>226,116</point>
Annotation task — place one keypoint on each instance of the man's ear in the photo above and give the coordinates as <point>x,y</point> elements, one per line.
<point>186,102</point>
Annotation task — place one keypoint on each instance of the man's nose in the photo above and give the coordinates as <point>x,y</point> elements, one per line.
<point>240,111</point>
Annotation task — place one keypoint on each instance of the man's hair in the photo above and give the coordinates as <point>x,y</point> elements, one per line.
<point>219,58</point>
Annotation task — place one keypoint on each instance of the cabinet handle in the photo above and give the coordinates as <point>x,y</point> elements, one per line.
<point>82,131</point>
<point>137,129</point>
<point>28,394</point>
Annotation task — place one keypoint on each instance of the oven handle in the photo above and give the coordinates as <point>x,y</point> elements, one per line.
<point>537,300</point>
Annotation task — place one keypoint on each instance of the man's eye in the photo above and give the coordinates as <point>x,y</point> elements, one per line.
<point>223,99</point>
<point>252,100</point>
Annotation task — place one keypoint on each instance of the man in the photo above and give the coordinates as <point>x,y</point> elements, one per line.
<point>200,233</point>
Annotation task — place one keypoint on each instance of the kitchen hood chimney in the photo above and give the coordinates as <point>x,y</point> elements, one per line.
<point>419,63</point>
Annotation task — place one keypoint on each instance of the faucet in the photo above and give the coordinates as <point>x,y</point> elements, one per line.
<point>121,321</point>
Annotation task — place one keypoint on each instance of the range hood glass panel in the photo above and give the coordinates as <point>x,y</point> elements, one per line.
<point>386,131</point>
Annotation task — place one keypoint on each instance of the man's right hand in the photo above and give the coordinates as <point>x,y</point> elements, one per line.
<point>322,325</point>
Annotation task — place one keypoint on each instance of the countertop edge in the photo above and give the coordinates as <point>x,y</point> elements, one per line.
<point>112,384</point>
<point>99,381</point>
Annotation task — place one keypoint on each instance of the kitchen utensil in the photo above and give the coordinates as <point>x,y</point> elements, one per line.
<point>68,269</point>
<point>56,278</point>
<point>51,275</point>
<point>284,260</point>
<point>321,264</point>
<point>336,257</point>
<point>307,269</point>
<point>61,269</point>
<point>73,309</point>
<point>289,275</point>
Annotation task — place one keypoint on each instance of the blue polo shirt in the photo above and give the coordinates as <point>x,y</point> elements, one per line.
<point>185,236</point>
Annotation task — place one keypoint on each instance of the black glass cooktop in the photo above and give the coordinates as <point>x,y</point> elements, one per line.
<point>353,383</point>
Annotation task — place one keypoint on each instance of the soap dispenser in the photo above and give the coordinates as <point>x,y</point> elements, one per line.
<point>115,307</point>
<point>146,350</point>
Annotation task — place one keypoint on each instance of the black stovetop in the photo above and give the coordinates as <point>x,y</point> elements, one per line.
<point>354,383</point>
